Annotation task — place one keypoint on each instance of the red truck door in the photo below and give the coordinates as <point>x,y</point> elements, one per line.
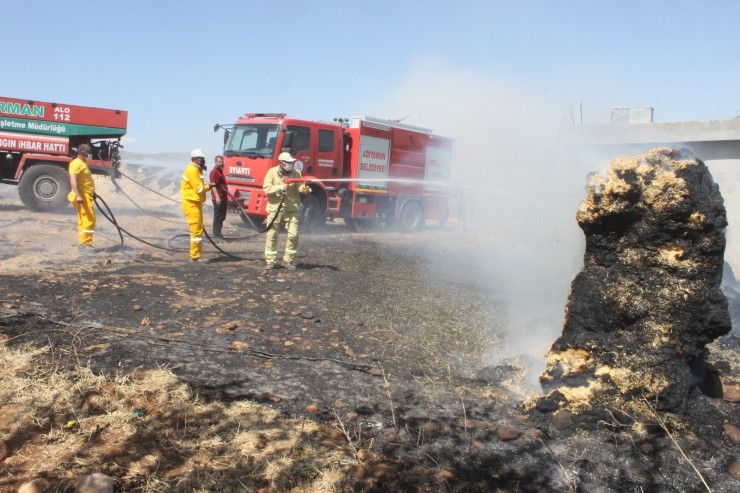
<point>300,146</point>
<point>328,160</point>
<point>319,149</point>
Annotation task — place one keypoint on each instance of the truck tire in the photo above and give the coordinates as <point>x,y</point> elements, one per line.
<point>44,187</point>
<point>313,216</point>
<point>411,217</point>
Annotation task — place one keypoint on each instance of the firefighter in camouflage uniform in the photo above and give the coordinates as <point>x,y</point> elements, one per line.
<point>289,195</point>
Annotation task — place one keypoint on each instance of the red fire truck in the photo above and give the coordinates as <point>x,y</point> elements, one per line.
<point>38,139</point>
<point>363,170</point>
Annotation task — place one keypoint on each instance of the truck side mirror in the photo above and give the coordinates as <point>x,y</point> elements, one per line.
<point>288,139</point>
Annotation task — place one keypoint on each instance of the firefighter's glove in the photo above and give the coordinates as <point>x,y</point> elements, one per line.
<point>283,188</point>
<point>305,189</point>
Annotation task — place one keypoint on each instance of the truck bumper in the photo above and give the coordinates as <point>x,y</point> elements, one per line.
<point>252,199</point>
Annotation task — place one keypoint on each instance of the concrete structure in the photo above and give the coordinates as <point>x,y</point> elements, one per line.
<point>715,142</point>
<point>710,140</point>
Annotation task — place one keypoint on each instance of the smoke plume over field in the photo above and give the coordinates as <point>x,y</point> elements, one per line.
<point>522,186</point>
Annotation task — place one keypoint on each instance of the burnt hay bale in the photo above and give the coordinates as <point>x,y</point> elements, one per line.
<point>648,298</point>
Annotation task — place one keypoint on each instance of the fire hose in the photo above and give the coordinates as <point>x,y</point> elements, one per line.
<point>123,192</point>
<point>108,214</point>
<point>286,181</point>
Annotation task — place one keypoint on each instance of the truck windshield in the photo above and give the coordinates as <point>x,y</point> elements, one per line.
<point>253,140</point>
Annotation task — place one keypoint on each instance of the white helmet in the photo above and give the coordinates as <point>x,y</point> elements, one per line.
<point>197,153</point>
<point>285,156</point>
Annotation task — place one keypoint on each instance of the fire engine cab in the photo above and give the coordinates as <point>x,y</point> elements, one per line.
<point>362,170</point>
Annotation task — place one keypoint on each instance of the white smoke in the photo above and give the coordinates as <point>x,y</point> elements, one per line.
<point>726,174</point>
<point>167,160</point>
<point>522,189</point>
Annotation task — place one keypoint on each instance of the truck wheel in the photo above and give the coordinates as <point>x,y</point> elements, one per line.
<point>412,216</point>
<point>44,187</point>
<point>313,217</point>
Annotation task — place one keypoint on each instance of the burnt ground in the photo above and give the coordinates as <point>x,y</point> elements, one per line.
<point>388,334</point>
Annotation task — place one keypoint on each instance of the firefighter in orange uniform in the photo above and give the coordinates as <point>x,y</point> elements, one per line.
<point>82,194</point>
<point>278,192</point>
<point>193,192</point>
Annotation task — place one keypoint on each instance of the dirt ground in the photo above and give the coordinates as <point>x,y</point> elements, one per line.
<point>377,365</point>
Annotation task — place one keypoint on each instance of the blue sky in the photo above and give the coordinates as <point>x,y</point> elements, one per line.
<point>180,67</point>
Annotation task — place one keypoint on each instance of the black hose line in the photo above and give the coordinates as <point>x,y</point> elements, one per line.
<point>249,219</point>
<point>110,217</point>
<point>238,204</point>
<point>120,190</point>
<point>108,214</point>
<point>144,186</point>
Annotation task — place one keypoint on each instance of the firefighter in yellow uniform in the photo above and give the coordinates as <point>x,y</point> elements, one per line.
<point>193,192</point>
<point>82,194</point>
<point>289,195</point>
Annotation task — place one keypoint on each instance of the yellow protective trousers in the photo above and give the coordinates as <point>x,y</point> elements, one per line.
<point>85,219</point>
<point>290,221</point>
<point>194,214</point>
